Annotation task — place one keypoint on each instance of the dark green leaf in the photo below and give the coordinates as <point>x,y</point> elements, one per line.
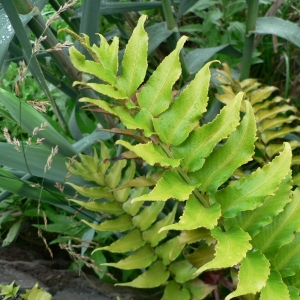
<point>279,27</point>
<point>198,57</point>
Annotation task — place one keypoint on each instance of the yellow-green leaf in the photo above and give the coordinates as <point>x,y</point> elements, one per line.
<point>269,135</point>
<point>170,185</point>
<point>120,224</point>
<point>192,236</point>
<point>249,192</point>
<point>105,89</point>
<point>268,103</point>
<point>103,166</point>
<point>253,274</point>
<point>156,95</point>
<point>182,271</point>
<point>199,289</point>
<point>108,54</point>
<point>112,208</point>
<point>224,160</point>
<point>276,122</point>
<point>175,292</point>
<point>114,175</point>
<point>175,124</point>
<point>261,94</point>
<point>201,256</point>
<point>155,276</point>
<point>134,63</point>
<point>271,113</point>
<point>92,192</point>
<point>202,140</point>
<point>91,67</point>
<point>142,181</point>
<point>296,180</point>
<point>281,231</point>
<point>253,220</point>
<point>287,259</point>
<point>142,258</point>
<point>293,280</point>
<point>195,215</point>
<point>294,293</point>
<point>151,154</point>
<point>275,288</point>
<point>130,242</point>
<point>235,238</point>
<point>88,168</point>
<point>169,250</point>
<point>141,120</point>
<point>148,215</point>
<point>36,293</point>
<point>152,235</point>
<point>133,208</point>
<point>123,194</point>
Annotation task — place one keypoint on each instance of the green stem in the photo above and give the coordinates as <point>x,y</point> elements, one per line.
<point>66,16</point>
<point>23,7</point>
<point>249,41</point>
<point>170,20</point>
<point>173,39</point>
<point>287,77</point>
<point>196,193</point>
<point>185,177</point>
<point>38,26</point>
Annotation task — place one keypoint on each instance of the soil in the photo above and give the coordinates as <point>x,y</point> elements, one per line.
<point>28,265</point>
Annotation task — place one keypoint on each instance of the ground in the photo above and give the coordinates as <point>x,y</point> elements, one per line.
<point>28,265</point>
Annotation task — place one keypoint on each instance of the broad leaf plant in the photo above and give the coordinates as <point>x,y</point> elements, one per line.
<point>190,215</point>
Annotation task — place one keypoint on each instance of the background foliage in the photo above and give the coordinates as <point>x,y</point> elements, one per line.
<point>222,30</point>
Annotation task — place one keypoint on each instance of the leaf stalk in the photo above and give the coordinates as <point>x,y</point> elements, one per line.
<point>185,177</point>
<point>249,40</point>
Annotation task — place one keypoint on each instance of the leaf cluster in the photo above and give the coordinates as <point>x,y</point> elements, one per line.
<point>249,223</point>
<point>199,164</point>
<point>12,292</point>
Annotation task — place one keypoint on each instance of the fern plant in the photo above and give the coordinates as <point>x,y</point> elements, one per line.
<point>276,119</point>
<point>249,226</point>
<point>137,223</point>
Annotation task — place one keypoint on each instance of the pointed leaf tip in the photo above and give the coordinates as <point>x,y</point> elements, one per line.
<point>175,124</point>
<point>203,140</point>
<point>134,63</point>
<point>235,238</point>
<point>253,274</point>
<point>156,95</point>
<point>170,185</point>
<point>195,216</point>
<point>155,276</point>
<point>249,192</point>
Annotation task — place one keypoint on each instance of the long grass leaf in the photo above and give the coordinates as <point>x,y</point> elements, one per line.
<point>30,58</point>
<point>279,27</point>
<point>7,32</point>
<point>36,156</point>
<point>109,8</point>
<point>29,119</point>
